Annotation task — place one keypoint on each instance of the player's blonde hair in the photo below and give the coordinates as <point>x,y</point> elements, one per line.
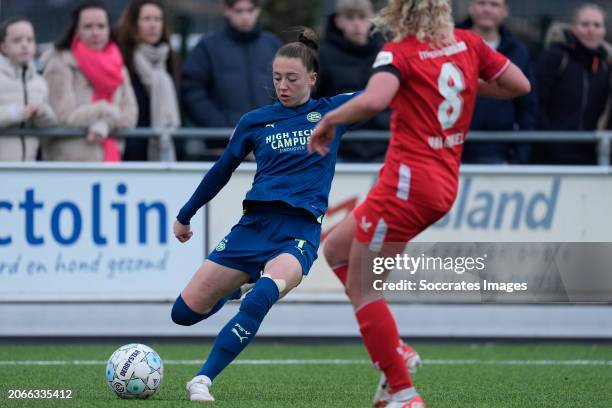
<point>429,20</point>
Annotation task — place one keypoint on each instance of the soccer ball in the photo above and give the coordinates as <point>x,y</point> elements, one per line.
<point>134,371</point>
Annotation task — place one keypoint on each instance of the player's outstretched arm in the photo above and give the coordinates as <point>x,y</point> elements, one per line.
<point>216,178</point>
<point>377,96</point>
<point>511,84</point>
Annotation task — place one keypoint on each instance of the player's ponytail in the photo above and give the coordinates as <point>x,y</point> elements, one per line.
<point>309,39</point>
<point>428,20</point>
<point>306,48</point>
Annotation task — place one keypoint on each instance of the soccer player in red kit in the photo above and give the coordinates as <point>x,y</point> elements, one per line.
<point>430,75</point>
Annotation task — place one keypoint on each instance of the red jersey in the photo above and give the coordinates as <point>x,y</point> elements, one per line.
<point>432,111</point>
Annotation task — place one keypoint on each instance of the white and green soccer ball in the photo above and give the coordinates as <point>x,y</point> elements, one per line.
<point>134,371</point>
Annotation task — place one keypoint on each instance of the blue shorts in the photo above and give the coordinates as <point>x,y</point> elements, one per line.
<point>266,230</point>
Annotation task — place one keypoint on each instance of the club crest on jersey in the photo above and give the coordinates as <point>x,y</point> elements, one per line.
<point>383,58</point>
<point>313,117</point>
<point>221,246</point>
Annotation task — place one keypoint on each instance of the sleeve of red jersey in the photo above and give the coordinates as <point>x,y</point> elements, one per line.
<point>491,64</point>
<point>389,59</point>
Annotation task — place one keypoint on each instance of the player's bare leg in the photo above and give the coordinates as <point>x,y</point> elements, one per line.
<point>286,271</point>
<point>209,284</point>
<point>360,278</point>
<point>338,246</point>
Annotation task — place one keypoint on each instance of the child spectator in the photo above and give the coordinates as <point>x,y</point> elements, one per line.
<point>24,96</point>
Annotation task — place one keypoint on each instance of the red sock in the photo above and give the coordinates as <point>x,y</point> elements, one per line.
<point>341,272</point>
<point>381,338</point>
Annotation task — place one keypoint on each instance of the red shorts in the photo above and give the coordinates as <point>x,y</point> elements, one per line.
<point>387,216</point>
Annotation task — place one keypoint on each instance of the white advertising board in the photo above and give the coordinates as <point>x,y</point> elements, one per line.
<point>91,232</point>
<point>95,233</point>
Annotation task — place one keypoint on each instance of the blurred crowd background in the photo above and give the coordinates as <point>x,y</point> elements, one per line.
<point>109,65</point>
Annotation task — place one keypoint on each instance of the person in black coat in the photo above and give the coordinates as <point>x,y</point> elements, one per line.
<point>347,54</point>
<point>229,72</point>
<point>486,19</point>
<point>573,82</point>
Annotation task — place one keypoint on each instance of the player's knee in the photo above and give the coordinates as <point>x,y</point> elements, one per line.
<point>183,315</point>
<point>328,252</point>
<point>258,302</point>
<point>334,255</point>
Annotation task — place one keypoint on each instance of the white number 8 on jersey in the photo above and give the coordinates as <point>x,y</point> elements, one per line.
<point>450,86</point>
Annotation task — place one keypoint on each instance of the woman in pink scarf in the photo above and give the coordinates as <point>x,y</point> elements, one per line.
<point>89,87</point>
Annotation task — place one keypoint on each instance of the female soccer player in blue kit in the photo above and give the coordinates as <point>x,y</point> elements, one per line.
<point>275,242</point>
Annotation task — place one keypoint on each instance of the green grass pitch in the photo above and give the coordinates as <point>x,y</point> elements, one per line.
<point>454,375</point>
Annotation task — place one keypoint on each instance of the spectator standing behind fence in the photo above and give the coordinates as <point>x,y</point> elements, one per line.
<point>24,96</point>
<point>89,87</point>
<point>228,73</point>
<point>573,85</point>
<point>347,54</point>
<point>486,19</point>
<point>144,38</point>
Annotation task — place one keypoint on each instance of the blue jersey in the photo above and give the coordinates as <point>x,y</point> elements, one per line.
<point>279,137</point>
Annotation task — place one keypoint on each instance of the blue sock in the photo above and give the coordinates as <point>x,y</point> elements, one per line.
<point>184,316</point>
<point>239,331</point>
